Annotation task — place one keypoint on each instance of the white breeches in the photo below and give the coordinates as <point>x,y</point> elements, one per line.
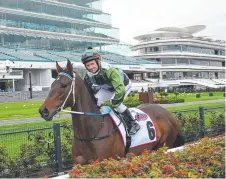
<point>103,95</point>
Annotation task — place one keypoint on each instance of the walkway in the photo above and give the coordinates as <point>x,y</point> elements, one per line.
<point>39,119</point>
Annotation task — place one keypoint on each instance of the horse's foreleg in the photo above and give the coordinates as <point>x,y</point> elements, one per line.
<point>77,159</point>
<point>80,160</point>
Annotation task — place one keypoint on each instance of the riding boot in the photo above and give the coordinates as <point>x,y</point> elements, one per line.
<point>133,126</point>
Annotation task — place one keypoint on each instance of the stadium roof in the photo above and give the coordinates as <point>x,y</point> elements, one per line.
<point>171,32</point>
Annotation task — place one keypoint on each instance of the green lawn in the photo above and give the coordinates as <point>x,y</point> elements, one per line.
<point>47,123</point>
<point>28,109</point>
<point>20,110</point>
<point>189,97</point>
<point>175,108</point>
<point>25,126</point>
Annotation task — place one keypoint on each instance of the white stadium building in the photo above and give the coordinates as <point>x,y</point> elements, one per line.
<point>37,33</point>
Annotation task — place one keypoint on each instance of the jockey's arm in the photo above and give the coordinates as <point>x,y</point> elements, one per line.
<point>116,80</point>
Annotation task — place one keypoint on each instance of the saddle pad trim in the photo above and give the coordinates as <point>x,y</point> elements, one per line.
<point>118,129</point>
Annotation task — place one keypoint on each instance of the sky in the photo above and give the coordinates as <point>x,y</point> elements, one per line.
<point>133,17</point>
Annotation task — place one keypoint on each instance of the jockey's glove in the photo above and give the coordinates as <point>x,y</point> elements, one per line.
<point>115,103</point>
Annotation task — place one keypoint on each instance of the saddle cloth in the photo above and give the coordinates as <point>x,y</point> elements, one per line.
<point>147,132</point>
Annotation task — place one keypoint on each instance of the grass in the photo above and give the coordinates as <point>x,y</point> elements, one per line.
<point>29,109</point>
<point>176,108</point>
<point>20,110</point>
<point>190,97</point>
<point>47,123</point>
<point>25,126</point>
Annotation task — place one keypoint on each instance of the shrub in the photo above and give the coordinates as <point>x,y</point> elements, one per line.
<point>170,101</point>
<point>176,94</point>
<point>130,101</point>
<point>210,94</point>
<point>217,122</point>
<point>190,126</point>
<point>198,95</point>
<point>204,160</point>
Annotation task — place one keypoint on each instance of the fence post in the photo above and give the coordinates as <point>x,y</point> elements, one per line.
<point>202,121</point>
<point>57,145</point>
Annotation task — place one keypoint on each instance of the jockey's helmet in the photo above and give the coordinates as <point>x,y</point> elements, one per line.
<point>89,55</point>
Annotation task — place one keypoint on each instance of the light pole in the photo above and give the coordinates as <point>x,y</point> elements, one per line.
<point>30,89</point>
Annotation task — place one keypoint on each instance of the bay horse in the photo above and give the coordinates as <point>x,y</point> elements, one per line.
<point>100,138</point>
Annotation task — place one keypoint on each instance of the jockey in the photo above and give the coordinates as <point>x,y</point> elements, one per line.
<point>113,84</point>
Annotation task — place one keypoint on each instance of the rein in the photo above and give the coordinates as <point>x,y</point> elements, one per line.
<point>85,113</point>
<point>73,92</point>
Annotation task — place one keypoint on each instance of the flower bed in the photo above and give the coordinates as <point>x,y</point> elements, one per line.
<point>205,159</point>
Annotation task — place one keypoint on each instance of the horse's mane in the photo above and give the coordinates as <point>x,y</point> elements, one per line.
<point>88,87</point>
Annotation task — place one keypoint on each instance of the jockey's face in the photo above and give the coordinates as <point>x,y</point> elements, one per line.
<point>92,66</point>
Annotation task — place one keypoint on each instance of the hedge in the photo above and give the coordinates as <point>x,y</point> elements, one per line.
<point>206,159</point>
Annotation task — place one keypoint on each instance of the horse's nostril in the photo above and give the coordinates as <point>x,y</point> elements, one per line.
<point>44,111</point>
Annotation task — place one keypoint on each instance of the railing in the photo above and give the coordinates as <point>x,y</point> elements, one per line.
<point>22,95</point>
<point>46,151</point>
<point>51,28</point>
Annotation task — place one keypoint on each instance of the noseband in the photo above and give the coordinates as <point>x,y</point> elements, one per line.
<point>71,90</point>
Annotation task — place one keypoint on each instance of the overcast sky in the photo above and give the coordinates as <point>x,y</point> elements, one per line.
<point>135,16</point>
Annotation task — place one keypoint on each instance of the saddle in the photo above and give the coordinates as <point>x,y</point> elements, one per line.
<point>146,134</point>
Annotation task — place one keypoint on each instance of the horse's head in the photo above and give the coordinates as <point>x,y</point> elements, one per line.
<point>61,94</point>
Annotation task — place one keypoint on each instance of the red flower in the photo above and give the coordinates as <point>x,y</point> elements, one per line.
<point>168,169</point>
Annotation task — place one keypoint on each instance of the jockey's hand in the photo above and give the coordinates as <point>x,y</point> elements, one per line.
<point>115,103</point>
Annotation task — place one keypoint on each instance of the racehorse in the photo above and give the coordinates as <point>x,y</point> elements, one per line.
<point>96,137</point>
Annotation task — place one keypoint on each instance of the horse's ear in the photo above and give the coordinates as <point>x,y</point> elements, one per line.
<point>58,68</point>
<point>69,67</point>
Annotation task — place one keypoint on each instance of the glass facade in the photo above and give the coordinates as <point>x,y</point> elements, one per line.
<point>183,61</point>
<point>199,62</point>
<point>105,18</point>
<point>182,48</point>
<point>121,49</point>
<point>106,32</point>
<point>170,75</point>
<point>96,5</point>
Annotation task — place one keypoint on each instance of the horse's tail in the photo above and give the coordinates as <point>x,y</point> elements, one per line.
<point>179,140</point>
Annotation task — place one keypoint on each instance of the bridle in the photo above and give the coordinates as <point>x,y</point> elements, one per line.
<point>71,90</point>
<point>84,113</point>
<point>73,93</point>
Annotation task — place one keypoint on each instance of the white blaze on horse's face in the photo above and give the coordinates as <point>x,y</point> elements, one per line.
<point>92,66</point>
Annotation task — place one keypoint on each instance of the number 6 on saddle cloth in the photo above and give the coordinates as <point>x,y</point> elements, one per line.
<point>147,132</point>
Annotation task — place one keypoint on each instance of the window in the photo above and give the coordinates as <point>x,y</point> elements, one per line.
<point>168,61</point>
<point>182,61</point>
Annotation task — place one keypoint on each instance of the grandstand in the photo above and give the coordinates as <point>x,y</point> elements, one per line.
<point>37,33</point>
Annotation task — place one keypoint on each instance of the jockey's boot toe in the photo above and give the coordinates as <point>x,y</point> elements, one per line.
<point>134,129</point>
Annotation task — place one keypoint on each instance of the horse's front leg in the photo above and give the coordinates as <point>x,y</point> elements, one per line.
<point>78,159</point>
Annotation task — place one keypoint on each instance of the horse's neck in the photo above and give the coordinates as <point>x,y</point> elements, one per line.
<point>86,126</point>
<point>85,102</point>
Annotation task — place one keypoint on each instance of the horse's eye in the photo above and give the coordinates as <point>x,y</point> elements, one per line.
<point>63,85</point>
